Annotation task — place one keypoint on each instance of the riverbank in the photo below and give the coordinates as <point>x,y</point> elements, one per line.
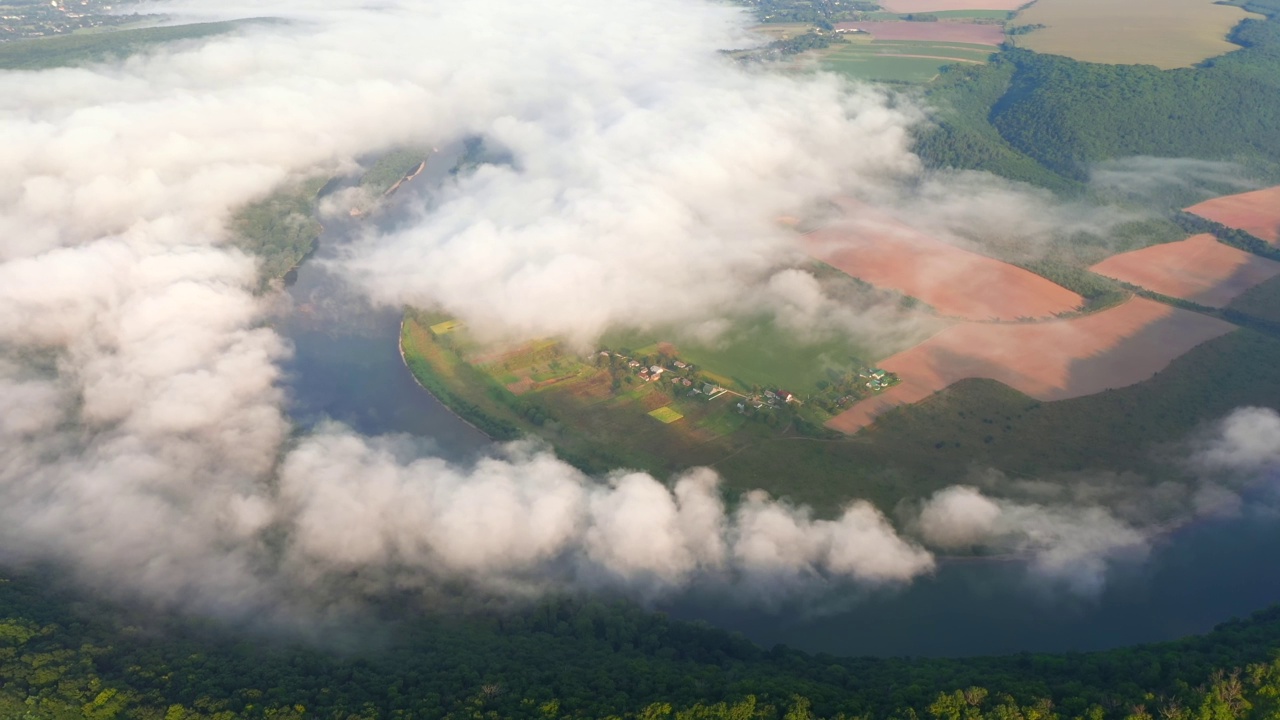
<point>418,381</point>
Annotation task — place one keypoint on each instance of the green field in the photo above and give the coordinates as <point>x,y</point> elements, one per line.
<point>598,417</point>
<point>84,48</point>
<point>905,61</point>
<point>761,354</point>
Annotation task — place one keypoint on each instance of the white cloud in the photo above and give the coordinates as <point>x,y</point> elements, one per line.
<point>1068,544</point>
<point>145,445</point>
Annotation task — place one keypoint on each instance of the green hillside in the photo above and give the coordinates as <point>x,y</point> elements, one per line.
<point>1046,119</point>
<point>63,657</point>
<point>69,50</point>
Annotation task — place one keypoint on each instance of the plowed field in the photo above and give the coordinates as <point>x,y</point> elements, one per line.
<point>1199,269</point>
<point>957,283</point>
<point>1048,361</point>
<point>1257,212</point>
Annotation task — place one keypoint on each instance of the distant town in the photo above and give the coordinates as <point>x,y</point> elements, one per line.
<point>21,19</point>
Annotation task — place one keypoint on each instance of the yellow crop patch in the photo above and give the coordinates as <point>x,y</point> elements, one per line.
<point>445,327</point>
<point>665,415</point>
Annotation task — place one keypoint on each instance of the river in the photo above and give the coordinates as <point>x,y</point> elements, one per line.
<point>346,367</point>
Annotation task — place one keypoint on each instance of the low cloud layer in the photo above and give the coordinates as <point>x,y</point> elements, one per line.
<point>1071,545</point>
<point>525,522</point>
<point>1075,530</point>
<point>143,442</point>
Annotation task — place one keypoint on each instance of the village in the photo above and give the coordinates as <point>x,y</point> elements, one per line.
<point>59,17</point>
<point>688,380</point>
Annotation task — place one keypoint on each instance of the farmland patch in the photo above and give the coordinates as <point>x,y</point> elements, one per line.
<point>1199,269</point>
<point>958,283</point>
<point>1048,361</point>
<point>1164,33</point>
<point>1257,212</point>
<point>981,34</point>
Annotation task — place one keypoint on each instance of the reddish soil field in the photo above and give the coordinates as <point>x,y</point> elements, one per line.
<point>1199,269</point>
<point>924,6</point>
<point>1257,212</point>
<point>957,283</point>
<point>1048,361</point>
<point>931,31</point>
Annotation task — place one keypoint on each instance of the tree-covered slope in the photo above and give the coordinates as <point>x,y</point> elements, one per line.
<point>1068,114</point>
<point>62,657</point>
<point>1047,119</point>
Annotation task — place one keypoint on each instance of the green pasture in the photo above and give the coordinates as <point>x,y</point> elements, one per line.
<point>84,48</point>
<point>910,61</point>
<point>754,354</point>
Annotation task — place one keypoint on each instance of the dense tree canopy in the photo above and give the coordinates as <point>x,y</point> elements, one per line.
<point>62,657</point>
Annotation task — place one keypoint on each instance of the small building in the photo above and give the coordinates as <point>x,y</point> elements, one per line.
<point>680,365</point>
<point>687,382</point>
<point>785,396</point>
<point>656,370</point>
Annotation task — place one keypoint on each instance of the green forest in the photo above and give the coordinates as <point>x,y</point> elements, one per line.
<point>1046,119</point>
<point>62,657</point>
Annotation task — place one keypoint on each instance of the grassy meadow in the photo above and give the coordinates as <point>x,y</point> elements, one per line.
<point>757,354</point>
<point>598,417</point>
<point>84,48</point>
<point>902,61</point>
<point>1164,33</point>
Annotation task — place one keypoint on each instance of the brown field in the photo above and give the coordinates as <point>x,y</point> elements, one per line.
<point>957,283</point>
<point>1257,212</point>
<point>1199,269</point>
<point>925,6</point>
<point>930,31</point>
<point>1048,361</point>
<point>1164,33</point>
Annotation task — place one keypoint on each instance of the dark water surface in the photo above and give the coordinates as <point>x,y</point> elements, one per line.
<point>347,367</point>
